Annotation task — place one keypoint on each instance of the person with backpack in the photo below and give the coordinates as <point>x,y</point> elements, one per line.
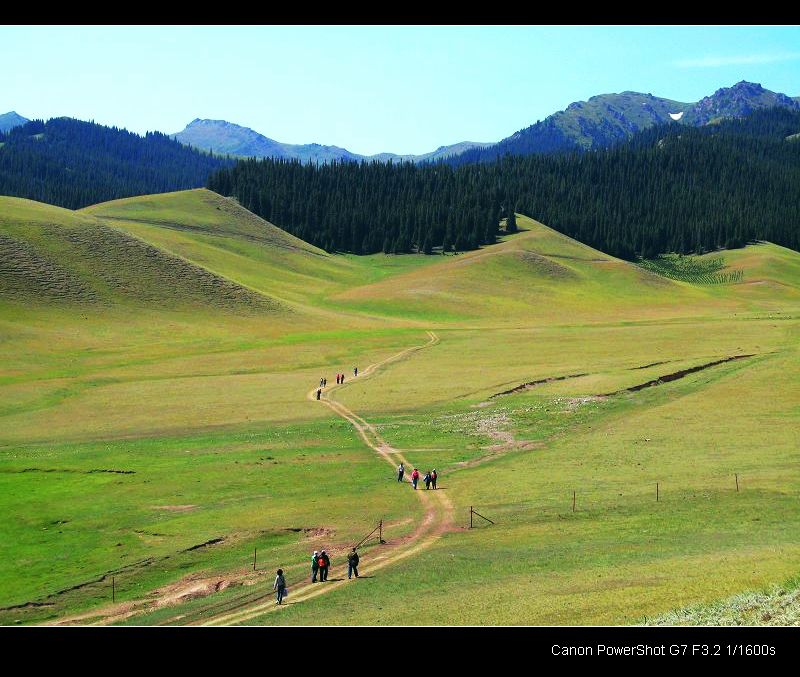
<point>434,477</point>
<point>352,564</point>
<point>314,566</point>
<point>400,471</point>
<point>427,479</point>
<point>319,393</point>
<point>280,587</point>
<point>415,478</point>
<point>324,564</point>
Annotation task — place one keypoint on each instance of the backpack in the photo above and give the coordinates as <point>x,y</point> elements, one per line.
<point>321,562</point>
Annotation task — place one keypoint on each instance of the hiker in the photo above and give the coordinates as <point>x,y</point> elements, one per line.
<point>324,564</point>
<point>321,382</point>
<point>352,564</point>
<point>319,393</point>
<point>280,587</point>
<point>314,566</point>
<point>337,379</point>
<point>400,471</point>
<point>415,478</point>
<point>427,479</point>
<point>433,478</point>
<point>342,378</point>
<point>355,371</point>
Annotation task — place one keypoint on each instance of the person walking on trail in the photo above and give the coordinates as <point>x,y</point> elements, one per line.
<point>415,478</point>
<point>352,564</point>
<point>427,479</point>
<point>319,393</point>
<point>355,371</point>
<point>324,564</point>
<point>342,378</point>
<point>400,471</point>
<point>337,379</point>
<point>321,382</point>
<point>314,566</point>
<point>324,383</point>
<point>434,476</point>
<point>279,587</point>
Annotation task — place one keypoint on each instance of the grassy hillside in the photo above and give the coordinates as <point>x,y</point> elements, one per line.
<point>143,417</point>
<point>53,255</point>
<point>538,274</point>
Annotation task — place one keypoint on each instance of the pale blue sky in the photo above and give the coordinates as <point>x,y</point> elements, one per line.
<point>372,89</point>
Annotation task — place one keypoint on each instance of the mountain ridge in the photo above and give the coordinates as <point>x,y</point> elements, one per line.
<point>221,136</point>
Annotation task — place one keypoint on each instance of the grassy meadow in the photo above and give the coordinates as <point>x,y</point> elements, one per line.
<point>157,353</point>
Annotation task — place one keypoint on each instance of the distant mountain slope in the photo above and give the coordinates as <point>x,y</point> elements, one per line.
<point>601,121</point>
<point>225,137</point>
<point>610,118</point>
<point>737,101</point>
<point>54,256</point>
<point>72,163</point>
<point>11,120</point>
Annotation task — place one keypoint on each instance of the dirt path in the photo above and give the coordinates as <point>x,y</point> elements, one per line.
<point>438,517</point>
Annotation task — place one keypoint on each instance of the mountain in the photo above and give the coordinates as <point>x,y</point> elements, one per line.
<point>735,102</point>
<point>228,138</point>
<point>441,153</point>
<point>607,119</point>
<point>11,120</point>
<point>72,164</point>
<point>603,120</point>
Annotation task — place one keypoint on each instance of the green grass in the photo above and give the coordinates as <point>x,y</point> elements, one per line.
<point>177,336</point>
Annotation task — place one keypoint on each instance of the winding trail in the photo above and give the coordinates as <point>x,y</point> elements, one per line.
<point>437,519</point>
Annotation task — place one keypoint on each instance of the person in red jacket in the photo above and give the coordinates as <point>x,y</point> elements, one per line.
<point>415,478</point>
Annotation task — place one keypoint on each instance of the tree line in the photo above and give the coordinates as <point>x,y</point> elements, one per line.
<point>73,164</point>
<point>670,188</point>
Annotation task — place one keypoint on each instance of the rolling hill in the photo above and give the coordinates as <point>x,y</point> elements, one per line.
<point>156,428</point>
<point>51,255</point>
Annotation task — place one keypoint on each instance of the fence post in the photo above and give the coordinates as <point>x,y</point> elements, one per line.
<point>656,492</point>
<point>255,554</point>
<point>470,517</point>
<point>380,532</point>
<point>573,501</point>
<point>736,475</point>
<point>113,589</point>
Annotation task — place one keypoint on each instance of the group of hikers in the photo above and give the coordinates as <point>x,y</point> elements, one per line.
<point>323,382</point>
<point>320,564</point>
<point>430,477</point>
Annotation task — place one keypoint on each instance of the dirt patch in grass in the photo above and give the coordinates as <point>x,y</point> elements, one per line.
<point>175,508</point>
